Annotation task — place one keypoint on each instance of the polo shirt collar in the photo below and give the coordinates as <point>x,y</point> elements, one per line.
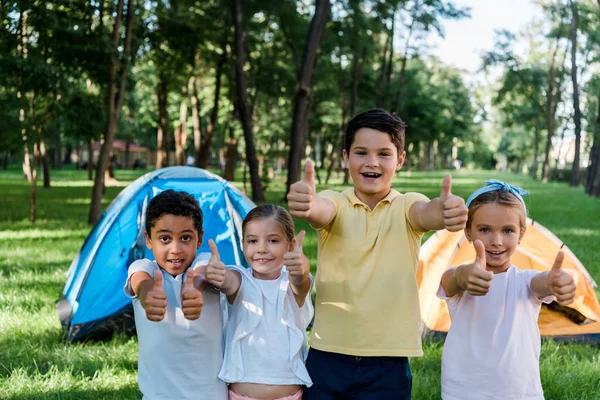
<point>351,196</point>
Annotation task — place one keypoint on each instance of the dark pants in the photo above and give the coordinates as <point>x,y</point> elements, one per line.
<point>343,377</point>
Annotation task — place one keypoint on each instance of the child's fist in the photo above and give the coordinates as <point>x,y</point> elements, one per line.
<point>155,299</point>
<point>454,209</point>
<point>301,193</point>
<point>474,278</point>
<point>191,297</point>
<point>561,283</point>
<point>215,270</point>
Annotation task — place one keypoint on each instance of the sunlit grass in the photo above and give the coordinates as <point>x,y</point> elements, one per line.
<point>36,364</point>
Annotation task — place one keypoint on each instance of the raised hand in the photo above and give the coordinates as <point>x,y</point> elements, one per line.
<point>296,262</point>
<point>474,278</point>
<point>561,284</point>
<point>155,299</point>
<point>454,209</point>
<point>191,297</point>
<point>301,193</point>
<point>215,270</point>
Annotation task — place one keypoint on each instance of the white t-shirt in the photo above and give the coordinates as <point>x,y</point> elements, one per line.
<point>266,333</point>
<point>179,358</point>
<point>492,350</point>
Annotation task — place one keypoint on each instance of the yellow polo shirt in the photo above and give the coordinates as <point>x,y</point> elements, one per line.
<point>367,300</point>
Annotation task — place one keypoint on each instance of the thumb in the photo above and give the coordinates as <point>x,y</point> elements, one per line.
<point>480,251</point>
<point>189,278</point>
<point>158,279</point>
<point>214,251</point>
<point>309,172</point>
<point>557,267</point>
<point>446,187</point>
<point>299,239</point>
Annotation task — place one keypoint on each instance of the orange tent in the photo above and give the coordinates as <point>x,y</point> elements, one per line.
<point>578,321</point>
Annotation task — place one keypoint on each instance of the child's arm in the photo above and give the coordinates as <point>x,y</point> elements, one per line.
<point>555,282</point>
<point>298,268</point>
<point>470,277</point>
<point>447,211</point>
<point>151,294</point>
<point>226,280</point>
<point>304,203</point>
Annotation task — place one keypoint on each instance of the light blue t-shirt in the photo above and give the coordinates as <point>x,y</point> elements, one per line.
<point>178,358</point>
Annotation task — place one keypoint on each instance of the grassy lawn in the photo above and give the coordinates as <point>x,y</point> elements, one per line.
<point>36,364</point>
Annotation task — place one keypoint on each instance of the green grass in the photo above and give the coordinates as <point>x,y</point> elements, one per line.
<point>36,364</point>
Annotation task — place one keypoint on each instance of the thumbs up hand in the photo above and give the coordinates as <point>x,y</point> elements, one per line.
<point>454,210</point>
<point>301,193</point>
<point>561,284</point>
<point>191,297</point>
<point>215,270</point>
<point>154,300</point>
<point>474,278</point>
<point>296,262</point>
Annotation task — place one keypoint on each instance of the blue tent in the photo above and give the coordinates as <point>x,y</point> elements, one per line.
<point>94,304</point>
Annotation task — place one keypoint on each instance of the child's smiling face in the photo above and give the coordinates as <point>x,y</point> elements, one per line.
<point>373,159</point>
<point>265,244</point>
<point>174,240</point>
<point>499,228</point>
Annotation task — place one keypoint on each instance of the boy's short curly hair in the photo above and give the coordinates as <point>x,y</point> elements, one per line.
<point>380,120</point>
<point>172,202</point>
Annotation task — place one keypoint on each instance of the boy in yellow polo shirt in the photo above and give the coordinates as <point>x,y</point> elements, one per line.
<point>367,318</point>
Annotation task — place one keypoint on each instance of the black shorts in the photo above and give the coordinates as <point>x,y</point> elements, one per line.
<point>344,377</point>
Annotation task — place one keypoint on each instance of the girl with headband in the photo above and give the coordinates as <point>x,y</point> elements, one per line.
<point>493,347</point>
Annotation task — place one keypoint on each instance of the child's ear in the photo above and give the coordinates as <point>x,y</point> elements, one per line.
<point>401,159</point>
<point>520,236</point>
<point>468,235</point>
<point>345,156</point>
<point>148,241</point>
<point>292,244</point>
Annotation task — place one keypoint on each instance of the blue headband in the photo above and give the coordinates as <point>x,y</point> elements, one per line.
<point>494,184</point>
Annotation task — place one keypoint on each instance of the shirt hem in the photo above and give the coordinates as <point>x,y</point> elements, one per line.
<point>370,352</point>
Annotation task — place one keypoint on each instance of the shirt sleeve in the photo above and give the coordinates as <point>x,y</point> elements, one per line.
<point>335,198</point>
<point>411,198</point>
<point>529,274</point>
<point>142,265</point>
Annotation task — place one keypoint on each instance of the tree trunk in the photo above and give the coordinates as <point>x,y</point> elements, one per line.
<point>162,134</point>
<point>230,156</point>
<point>592,185</point>
<point>127,156</point>
<point>549,116</point>
<point>301,99</point>
<point>257,191</point>
<point>559,152</point>
<point>576,110</point>
<point>196,122</point>
<point>180,133</point>
<point>381,78</point>
<point>57,154</point>
<point>536,151</point>
<point>90,163</point>
<point>115,101</point>
<point>45,164</point>
<point>403,66</point>
<point>390,64</point>
<point>212,125</point>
